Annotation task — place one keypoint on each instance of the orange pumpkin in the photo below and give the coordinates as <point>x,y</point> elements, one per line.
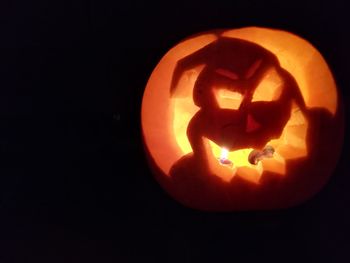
<point>242,119</point>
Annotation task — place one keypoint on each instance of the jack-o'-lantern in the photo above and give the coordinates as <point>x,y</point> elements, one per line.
<point>242,119</point>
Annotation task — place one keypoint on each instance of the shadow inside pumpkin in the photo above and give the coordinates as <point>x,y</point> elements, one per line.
<point>247,103</point>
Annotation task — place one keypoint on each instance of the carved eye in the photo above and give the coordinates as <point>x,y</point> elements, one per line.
<point>227,99</point>
<point>270,87</point>
<point>251,71</point>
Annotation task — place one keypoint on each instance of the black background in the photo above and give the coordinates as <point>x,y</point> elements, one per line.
<point>74,183</point>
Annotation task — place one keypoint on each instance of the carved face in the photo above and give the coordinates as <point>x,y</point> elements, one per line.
<point>245,101</point>
<point>237,113</point>
<point>242,91</point>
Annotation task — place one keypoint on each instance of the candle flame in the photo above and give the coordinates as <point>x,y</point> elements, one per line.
<point>224,154</point>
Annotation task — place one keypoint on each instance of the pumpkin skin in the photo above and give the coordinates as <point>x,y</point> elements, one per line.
<point>242,119</point>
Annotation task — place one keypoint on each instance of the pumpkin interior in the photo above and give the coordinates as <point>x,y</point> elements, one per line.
<point>168,143</point>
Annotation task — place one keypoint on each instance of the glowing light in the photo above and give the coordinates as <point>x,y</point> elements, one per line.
<point>224,154</point>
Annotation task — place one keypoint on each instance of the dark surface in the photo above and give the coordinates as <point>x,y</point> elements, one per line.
<point>74,183</point>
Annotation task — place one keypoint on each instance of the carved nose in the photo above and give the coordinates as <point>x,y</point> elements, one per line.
<point>251,124</point>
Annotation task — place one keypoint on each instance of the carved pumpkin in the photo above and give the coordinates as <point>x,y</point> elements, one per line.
<point>242,119</point>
